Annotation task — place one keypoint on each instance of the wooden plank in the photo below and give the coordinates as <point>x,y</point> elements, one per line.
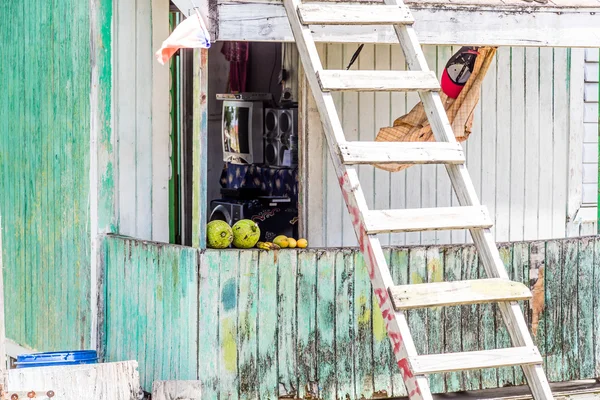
<point>382,111</point>
<point>353,14</point>
<point>475,360</point>
<point>560,141</point>
<point>487,335</point>
<point>306,351</point>
<point>267,326</point>
<point>382,351</point>
<point>425,219</point>
<point>585,309</point>
<point>497,26</point>
<point>545,143</point>
<point>596,304</point>
<point>375,81</point>
<point>520,273</point>
<point>532,141</point>
<point>539,308</point>
<point>443,186</point>
<point>517,143</point>
<point>119,381</point>
<point>397,181</point>
<point>326,316</point>
<point>438,293</point>
<point>287,328</point>
<point>453,268</point>
<point>208,324</point>
<point>247,335</point>
<point>435,316</point>
<point>417,319</point>
<point>503,182</point>
<point>571,359</point>
<point>228,346</point>
<point>401,152</point>
<point>554,260</point>
<point>399,265</point>
<point>506,376</point>
<point>344,326</point>
<point>363,317</point>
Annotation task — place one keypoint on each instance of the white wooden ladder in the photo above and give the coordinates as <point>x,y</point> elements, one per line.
<point>393,300</point>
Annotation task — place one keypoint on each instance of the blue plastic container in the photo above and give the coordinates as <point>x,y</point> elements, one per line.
<point>50,359</point>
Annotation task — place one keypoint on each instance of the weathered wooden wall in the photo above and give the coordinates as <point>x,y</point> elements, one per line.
<point>44,171</point>
<point>295,317</point>
<point>141,119</point>
<point>521,154</point>
<point>151,294</point>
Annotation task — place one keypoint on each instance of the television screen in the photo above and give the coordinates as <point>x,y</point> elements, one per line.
<point>236,129</point>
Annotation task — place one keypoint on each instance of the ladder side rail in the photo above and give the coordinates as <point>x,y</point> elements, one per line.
<point>396,323</point>
<point>467,196</point>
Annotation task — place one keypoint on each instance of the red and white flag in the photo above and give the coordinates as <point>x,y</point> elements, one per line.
<point>189,34</point>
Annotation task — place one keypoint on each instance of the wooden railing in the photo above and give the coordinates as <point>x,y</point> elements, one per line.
<point>251,323</point>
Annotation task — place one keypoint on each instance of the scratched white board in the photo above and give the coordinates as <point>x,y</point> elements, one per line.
<point>517,154</point>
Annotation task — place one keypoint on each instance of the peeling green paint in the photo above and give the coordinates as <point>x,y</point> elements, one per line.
<point>45,77</point>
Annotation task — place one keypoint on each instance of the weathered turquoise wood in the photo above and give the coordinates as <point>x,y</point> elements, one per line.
<point>301,317</point>
<point>506,376</point>
<point>585,302</point>
<point>248,324</point>
<point>555,262</point>
<point>571,359</point>
<point>287,328</point>
<point>417,319</point>
<point>228,328</point>
<point>399,271</point>
<point>152,292</point>
<point>435,324</point>
<point>306,352</point>
<point>470,318</point>
<point>382,354</point>
<point>363,312</point>
<point>453,317</point>
<point>520,273</point>
<point>344,327</point>
<point>267,327</point>
<point>487,336</point>
<point>44,171</point>
<point>208,324</point>
<point>326,324</point>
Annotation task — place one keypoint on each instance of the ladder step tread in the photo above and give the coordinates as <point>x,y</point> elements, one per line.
<point>431,364</point>
<point>354,14</point>
<point>402,152</point>
<point>407,297</point>
<point>377,81</point>
<point>426,219</point>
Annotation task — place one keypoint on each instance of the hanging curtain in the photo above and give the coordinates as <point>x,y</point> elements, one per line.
<point>237,53</point>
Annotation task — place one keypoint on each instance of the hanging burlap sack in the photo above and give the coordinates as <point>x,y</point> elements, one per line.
<point>414,127</point>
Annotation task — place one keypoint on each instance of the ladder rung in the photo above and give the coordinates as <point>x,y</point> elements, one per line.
<point>431,364</point>
<point>402,152</point>
<point>377,81</point>
<point>437,294</point>
<point>426,219</point>
<point>338,14</point>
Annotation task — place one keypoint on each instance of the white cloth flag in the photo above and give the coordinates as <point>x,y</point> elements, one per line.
<point>189,34</point>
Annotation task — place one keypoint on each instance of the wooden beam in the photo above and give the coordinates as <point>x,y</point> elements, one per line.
<point>443,25</point>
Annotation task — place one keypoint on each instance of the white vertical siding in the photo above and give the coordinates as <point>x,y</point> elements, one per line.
<point>590,137</point>
<point>517,155</point>
<point>141,119</point>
